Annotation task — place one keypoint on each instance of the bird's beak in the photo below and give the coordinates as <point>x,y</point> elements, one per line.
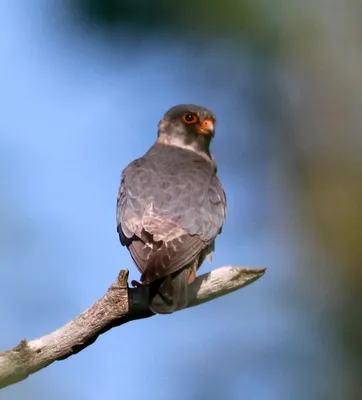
<point>206,127</point>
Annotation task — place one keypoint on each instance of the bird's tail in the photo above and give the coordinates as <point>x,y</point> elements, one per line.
<point>170,293</point>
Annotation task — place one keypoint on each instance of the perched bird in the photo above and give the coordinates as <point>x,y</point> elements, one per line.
<point>171,206</point>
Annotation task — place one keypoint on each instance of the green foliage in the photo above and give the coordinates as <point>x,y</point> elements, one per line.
<point>204,19</point>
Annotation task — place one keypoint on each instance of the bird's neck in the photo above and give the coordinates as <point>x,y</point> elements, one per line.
<point>178,142</point>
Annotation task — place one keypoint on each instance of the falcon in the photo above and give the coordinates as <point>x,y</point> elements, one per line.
<point>171,206</point>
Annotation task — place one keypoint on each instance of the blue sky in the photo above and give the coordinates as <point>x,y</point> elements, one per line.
<point>74,113</point>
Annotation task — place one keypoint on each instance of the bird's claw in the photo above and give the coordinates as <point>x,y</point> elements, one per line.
<point>136,284</point>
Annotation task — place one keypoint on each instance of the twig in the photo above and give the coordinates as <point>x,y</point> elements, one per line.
<point>118,306</point>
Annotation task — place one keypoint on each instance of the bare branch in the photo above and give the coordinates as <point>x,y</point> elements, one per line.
<point>118,306</point>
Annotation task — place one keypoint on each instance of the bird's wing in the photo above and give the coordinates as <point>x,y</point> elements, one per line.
<point>167,212</point>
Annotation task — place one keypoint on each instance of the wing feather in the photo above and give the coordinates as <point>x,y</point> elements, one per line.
<point>170,206</point>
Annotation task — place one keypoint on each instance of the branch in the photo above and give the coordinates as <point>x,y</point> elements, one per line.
<point>118,306</point>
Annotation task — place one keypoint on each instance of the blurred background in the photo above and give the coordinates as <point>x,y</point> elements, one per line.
<point>83,85</point>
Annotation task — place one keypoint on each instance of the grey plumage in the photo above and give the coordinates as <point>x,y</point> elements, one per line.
<point>170,208</point>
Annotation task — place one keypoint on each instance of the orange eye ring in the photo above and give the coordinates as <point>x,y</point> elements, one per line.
<point>190,118</point>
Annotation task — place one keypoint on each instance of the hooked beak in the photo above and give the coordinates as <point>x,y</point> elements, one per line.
<point>206,127</point>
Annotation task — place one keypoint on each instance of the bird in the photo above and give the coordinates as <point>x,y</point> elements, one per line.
<point>171,206</point>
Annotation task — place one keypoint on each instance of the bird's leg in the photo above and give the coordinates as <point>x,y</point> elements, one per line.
<point>193,269</point>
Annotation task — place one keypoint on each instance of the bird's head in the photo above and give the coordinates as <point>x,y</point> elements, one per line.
<point>187,126</point>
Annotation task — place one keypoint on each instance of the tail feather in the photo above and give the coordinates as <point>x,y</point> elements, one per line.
<point>170,293</point>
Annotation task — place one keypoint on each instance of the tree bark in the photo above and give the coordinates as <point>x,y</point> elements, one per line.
<point>118,306</point>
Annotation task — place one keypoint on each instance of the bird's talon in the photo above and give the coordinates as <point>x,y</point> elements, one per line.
<point>136,284</point>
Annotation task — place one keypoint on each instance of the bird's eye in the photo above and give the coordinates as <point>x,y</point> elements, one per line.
<point>190,118</point>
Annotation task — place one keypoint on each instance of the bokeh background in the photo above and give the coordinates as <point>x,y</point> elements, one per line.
<point>83,84</point>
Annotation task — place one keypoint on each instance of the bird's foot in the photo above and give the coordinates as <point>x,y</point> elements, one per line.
<point>136,284</point>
